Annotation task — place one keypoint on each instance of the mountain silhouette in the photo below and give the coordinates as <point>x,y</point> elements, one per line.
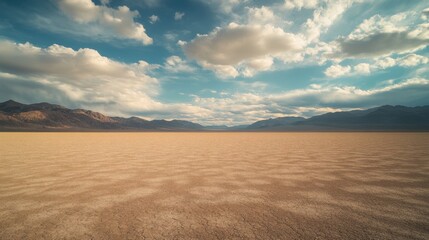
<point>15,116</point>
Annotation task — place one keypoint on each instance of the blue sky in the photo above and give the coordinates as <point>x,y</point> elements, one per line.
<point>215,61</point>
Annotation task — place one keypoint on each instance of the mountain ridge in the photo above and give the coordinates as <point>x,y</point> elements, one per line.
<point>51,117</point>
<point>15,116</point>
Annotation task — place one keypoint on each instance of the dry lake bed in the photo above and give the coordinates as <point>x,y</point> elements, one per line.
<point>214,186</point>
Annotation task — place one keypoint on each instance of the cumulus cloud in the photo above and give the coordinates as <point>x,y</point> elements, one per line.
<point>383,36</point>
<point>335,71</point>
<point>362,68</point>
<point>153,19</point>
<point>410,60</point>
<point>265,15</point>
<point>413,60</point>
<point>261,15</point>
<point>256,65</point>
<point>118,22</point>
<point>243,45</point>
<point>82,75</point>
<point>178,15</point>
<point>223,71</point>
<point>299,4</point>
<point>177,64</point>
<point>84,78</point>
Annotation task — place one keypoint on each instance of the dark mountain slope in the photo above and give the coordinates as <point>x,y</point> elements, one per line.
<point>45,116</point>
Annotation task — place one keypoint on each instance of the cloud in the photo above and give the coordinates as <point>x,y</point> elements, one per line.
<point>413,60</point>
<point>425,14</point>
<point>335,71</point>
<point>82,77</point>
<point>178,15</point>
<point>153,19</point>
<point>299,4</point>
<point>241,45</point>
<point>265,15</point>
<point>383,36</point>
<point>261,15</point>
<point>119,22</point>
<point>362,68</point>
<point>350,96</point>
<point>255,65</point>
<point>410,60</point>
<point>224,6</point>
<point>324,16</point>
<point>245,108</point>
<point>176,64</point>
<point>382,44</point>
<point>223,71</point>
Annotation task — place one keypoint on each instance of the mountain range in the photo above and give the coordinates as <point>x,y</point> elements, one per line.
<point>15,116</point>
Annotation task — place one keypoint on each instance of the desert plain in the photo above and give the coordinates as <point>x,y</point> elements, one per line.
<point>214,185</point>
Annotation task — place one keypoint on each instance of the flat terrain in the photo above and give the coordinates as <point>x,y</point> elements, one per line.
<point>214,186</point>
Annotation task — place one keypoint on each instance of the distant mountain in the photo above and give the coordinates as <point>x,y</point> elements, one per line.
<point>224,127</point>
<point>384,118</point>
<point>15,116</point>
<point>275,122</point>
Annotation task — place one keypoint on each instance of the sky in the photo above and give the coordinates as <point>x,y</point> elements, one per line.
<point>215,62</point>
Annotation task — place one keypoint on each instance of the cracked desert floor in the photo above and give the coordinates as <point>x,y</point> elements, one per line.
<point>214,186</point>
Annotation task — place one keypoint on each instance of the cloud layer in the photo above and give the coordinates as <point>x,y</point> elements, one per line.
<point>249,46</point>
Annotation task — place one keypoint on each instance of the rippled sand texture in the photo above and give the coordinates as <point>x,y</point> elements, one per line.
<point>214,186</point>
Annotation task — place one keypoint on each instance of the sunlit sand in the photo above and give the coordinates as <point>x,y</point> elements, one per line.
<point>214,186</point>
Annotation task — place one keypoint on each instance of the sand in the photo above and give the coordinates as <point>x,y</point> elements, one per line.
<point>214,186</point>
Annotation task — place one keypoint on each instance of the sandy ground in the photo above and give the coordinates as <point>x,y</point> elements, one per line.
<point>214,186</point>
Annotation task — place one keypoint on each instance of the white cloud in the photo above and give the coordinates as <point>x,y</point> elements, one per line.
<point>383,36</point>
<point>362,68</point>
<point>256,65</point>
<point>85,79</point>
<point>153,19</point>
<point>335,71</point>
<point>176,64</point>
<point>413,60</point>
<point>384,63</point>
<point>324,16</point>
<point>377,24</point>
<point>299,4</point>
<point>261,15</point>
<point>119,22</point>
<point>265,15</point>
<point>178,15</point>
<point>224,6</point>
<point>241,46</point>
<point>425,14</point>
<point>410,60</point>
<point>223,71</point>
